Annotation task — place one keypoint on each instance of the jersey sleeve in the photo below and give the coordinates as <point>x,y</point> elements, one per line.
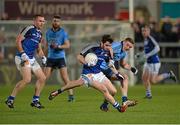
<point>155,50</point>
<point>86,50</point>
<point>25,30</point>
<point>66,37</point>
<point>47,36</point>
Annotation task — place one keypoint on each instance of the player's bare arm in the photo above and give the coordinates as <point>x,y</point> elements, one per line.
<point>80,58</point>
<point>66,45</point>
<point>40,51</point>
<point>125,65</point>
<point>19,39</point>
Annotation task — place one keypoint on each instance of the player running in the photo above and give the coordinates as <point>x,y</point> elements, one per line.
<point>120,50</point>
<point>92,75</point>
<point>152,65</point>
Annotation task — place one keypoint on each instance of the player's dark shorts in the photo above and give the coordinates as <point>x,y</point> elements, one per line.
<point>56,63</point>
<point>116,64</point>
<point>108,73</point>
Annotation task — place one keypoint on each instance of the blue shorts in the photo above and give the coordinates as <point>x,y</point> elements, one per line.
<point>56,63</point>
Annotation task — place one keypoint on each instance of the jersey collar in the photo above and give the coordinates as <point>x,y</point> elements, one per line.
<point>56,30</point>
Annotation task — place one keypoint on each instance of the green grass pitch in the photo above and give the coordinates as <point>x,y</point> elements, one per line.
<point>164,108</point>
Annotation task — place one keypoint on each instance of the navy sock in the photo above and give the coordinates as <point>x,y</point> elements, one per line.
<point>148,93</point>
<point>35,98</point>
<point>11,98</point>
<point>116,105</point>
<point>124,98</point>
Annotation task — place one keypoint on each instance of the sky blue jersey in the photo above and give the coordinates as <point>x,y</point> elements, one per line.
<point>151,49</point>
<point>103,58</point>
<point>118,52</point>
<point>32,38</point>
<point>58,37</point>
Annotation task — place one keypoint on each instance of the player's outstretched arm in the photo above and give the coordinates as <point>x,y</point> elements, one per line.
<point>125,65</point>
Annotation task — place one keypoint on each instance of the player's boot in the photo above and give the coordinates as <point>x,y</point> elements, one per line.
<point>130,103</point>
<point>104,107</point>
<point>122,108</point>
<point>173,76</point>
<point>148,97</point>
<point>53,95</point>
<point>37,104</point>
<point>9,103</point>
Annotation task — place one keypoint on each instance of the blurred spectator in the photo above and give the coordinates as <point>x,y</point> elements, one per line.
<point>177,25</point>
<point>18,18</point>
<point>154,28</point>
<point>5,16</point>
<point>173,52</point>
<point>140,22</point>
<point>137,29</point>
<point>2,35</point>
<point>137,33</point>
<point>174,34</point>
<point>166,29</point>
<point>1,56</point>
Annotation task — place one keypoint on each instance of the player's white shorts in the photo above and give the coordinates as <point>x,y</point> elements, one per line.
<point>89,78</point>
<point>152,67</point>
<point>33,64</point>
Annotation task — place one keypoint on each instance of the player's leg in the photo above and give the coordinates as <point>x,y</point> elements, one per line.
<point>48,71</point>
<point>112,90</point>
<point>146,80</point>
<point>157,78</point>
<point>65,78</point>
<point>70,85</point>
<point>102,88</point>
<point>26,78</point>
<point>108,73</point>
<point>41,78</point>
<point>124,89</point>
<point>61,64</point>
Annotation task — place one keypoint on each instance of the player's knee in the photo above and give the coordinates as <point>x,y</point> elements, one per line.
<point>27,80</point>
<point>144,79</point>
<point>153,81</point>
<point>80,83</point>
<point>104,90</point>
<point>42,78</point>
<point>113,92</point>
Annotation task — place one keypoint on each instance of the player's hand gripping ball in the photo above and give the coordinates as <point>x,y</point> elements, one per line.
<point>91,59</point>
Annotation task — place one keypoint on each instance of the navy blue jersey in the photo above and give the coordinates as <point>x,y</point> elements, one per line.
<point>32,37</point>
<point>151,51</point>
<point>103,58</point>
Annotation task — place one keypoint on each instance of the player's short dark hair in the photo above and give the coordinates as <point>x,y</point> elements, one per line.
<point>57,16</point>
<point>146,26</point>
<point>107,37</point>
<point>37,15</point>
<point>130,40</point>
